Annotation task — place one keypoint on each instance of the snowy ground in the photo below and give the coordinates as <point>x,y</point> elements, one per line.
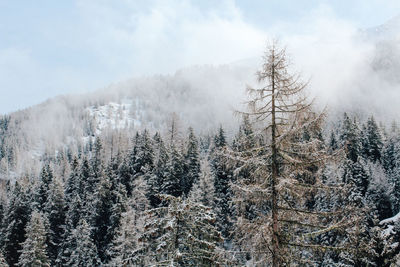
<point>115,115</point>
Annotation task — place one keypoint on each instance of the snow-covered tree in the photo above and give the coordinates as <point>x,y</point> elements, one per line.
<point>84,251</point>
<point>55,210</point>
<point>159,172</point>
<point>101,219</point>
<point>127,248</point>
<point>15,220</point>
<point>175,171</point>
<point>372,141</point>
<point>350,138</point>
<point>42,188</point>
<point>192,166</point>
<point>34,248</point>
<point>286,172</point>
<point>181,234</point>
<point>203,189</point>
<point>222,178</point>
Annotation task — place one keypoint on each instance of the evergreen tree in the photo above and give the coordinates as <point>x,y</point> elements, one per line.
<point>142,155</point>
<point>350,138</point>
<point>394,180</point>
<point>34,248</point>
<point>159,173</point>
<point>15,220</point>
<point>222,178</point>
<point>73,216</point>
<point>182,234</point>
<point>390,162</point>
<point>172,183</point>
<point>389,153</point>
<point>333,144</point>
<point>203,190</point>
<point>97,159</point>
<point>192,166</point>
<point>42,190</point>
<point>372,141</point>
<point>220,139</point>
<point>245,139</point>
<point>128,248</point>
<point>72,185</point>
<point>55,211</point>
<point>84,251</point>
<point>101,221</point>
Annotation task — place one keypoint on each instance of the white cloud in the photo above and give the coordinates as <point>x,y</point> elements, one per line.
<point>170,35</point>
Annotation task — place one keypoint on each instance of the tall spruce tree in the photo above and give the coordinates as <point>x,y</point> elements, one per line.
<point>34,248</point>
<point>175,171</point>
<point>372,141</point>
<point>128,249</point>
<point>350,138</point>
<point>84,251</point>
<point>101,221</point>
<point>222,177</point>
<point>159,173</point>
<point>192,166</point>
<point>55,210</point>
<point>42,190</point>
<point>15,220</point>
<point>181,234</point>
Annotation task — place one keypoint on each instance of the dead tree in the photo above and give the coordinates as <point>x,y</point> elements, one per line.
<point>276,202</point>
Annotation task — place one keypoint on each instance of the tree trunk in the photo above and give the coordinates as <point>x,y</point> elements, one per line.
<point>275,230</point>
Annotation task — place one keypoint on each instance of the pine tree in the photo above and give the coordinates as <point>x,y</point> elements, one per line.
<point>222,178</point>
<point>101,221</point>
<point>350,138</point>
<point>372,141</point>
<point>97,159</point>
<point>389,154</point>
<point>84,251</point>
<point>73,216</point>
<point>203,190</point>
<point>126,246</point>
<point>245,139</point>
<point>390,161</point>
<point>159,173</point>
<point>73,182</point>
<point>55,211</point>
<point>333,145</point>
<point>127,249</point>
<point>182,234</point>
<point>192,166</point>
<point>15,220</point>
<point>172,183</point>
<point>142,155</point>
<point>34,248</point>
<point>42,190</point>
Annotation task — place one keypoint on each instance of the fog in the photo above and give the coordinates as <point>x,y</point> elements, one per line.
<point>350,70</point>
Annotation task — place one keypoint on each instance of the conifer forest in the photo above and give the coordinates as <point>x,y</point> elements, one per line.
<point>291,186</point>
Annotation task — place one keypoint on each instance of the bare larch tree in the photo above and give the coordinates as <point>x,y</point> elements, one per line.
<point>278,201</point>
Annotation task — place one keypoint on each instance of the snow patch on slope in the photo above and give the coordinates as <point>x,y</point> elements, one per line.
<point>115,115</point>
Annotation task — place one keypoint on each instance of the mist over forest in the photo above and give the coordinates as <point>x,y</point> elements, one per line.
<point>291,158</point>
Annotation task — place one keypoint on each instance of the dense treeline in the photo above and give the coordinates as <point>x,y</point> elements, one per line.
<point>171,201</point>
<point>287,189</point>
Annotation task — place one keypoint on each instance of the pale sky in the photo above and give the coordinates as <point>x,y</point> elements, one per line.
<point>52,47</point>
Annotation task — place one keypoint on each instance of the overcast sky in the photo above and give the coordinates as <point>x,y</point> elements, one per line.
<point>52,47</point>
